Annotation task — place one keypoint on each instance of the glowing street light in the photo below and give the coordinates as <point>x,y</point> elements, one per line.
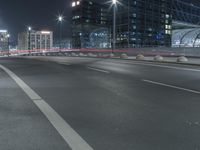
<point>29,28</point>
<point>29,38</point>
<point>8,38</point>
<point>114,2</point>
<point>60,20</point>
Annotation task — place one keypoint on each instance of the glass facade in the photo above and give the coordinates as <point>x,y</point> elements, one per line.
<point>186,38</point>
<point>139,23</point>
<point>3,40</point>
<point>186,11</point>
<point>87,17</point>
<point>144,23</point>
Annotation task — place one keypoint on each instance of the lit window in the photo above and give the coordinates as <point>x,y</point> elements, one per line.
<point>167,32</point>
<point>73,4</point>
<point>78,3</point>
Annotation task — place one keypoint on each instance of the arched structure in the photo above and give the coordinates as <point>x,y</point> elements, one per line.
<point>186,37</point>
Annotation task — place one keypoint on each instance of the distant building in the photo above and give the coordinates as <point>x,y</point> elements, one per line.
<point>87,17</point>
<point>4,39</point>
<point>38,40</point>
<point>64,43</point>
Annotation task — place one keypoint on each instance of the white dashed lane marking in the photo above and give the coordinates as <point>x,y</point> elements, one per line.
<point>171,86</point>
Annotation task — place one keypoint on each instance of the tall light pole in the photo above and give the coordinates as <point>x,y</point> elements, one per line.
<point>8,38</point>
<point>29,39</point>
<point>60,20</point>
<point>114,2</point>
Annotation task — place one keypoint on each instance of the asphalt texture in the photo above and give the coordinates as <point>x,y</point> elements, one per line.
<point>106,101</point>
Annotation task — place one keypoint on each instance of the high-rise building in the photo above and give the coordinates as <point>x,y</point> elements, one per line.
<point>89,23</point>
<point>139,23</point>
<point>4,40</point>
<point>35,40</point>
<point>186,11</point>
<point>143,23</point>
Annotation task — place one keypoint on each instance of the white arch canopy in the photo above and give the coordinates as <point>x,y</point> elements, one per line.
<point>186,37</point>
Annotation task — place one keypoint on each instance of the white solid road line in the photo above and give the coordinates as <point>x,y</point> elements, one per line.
<point>64,63</point>
<point>74,140</point>
<point>32,94</point>
<point>172,67</point>
<point>100,70</point>
<point>161,66</point>
<point>171,86</point>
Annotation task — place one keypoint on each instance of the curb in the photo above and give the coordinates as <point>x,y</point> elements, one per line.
<point>117,58</point>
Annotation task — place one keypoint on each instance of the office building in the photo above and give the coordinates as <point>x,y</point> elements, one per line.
<point>143,23</point>
<point>4,40</point>
<point>89,24</point>
<point>34,40</point>
<point>139,23</point>
<point>186,12</point>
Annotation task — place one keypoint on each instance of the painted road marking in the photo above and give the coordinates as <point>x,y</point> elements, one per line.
<point>74,140</point>
<point>96,69</point>
<point>64,63</point>
<point>171,67</point>
<point>162,66</point>
<point>171,86</point>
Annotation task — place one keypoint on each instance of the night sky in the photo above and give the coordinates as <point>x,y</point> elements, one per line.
<point>16,15</point>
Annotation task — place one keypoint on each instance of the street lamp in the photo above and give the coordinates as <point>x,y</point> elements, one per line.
<point>29,39</point>
<point>114,2</point>
<point>8,38</point>
<point>60,20</point>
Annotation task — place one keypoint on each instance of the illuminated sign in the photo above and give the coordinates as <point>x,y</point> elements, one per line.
<point>45,32</point>
<point>3,31</point>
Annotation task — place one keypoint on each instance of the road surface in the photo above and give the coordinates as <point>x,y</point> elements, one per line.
<point>60,103</point>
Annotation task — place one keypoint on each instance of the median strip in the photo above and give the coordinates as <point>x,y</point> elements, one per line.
<point>171,86</point>
<point>99,70</point>
<point>74,140</point>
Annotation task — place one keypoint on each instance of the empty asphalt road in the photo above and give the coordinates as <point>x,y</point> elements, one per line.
<point>64,103</point>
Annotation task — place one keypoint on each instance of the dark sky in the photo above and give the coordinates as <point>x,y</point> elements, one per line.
<point>16,15</point>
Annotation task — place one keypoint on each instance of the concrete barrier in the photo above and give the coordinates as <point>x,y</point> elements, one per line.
<point>112,55</point>
<point>66,54</point>
<point>124,56</point>
<point>182,59</point>
<point>92,55</point>
<point>89,54</point>
<point>103,55</point>
<point>158,58</point>
<point>140,57</point>
<point>81,55</point>
<point>73,54</point>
